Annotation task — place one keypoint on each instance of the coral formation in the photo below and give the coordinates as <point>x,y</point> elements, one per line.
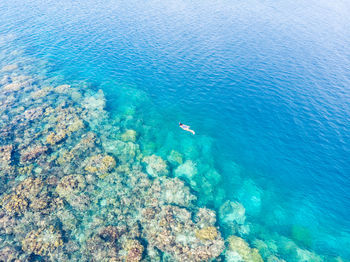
<point>175,158</point>
<point>232,216</point>
<point>70,184</point>
<point>112,192</point>
<point>187,170</point>
<point>155,166</point>
<point>62,89</point>
<point>33,113</point>
<point>14,204</point>
<point>172,230</point>
<point>133,250</point>
<point>240,248</point>
<point>70,188</point>
<point>33,152</point>
<point>9,68</point>
<point>170,191</point>
<point>8,253</point>
<point>207,233</point>
<point>42,241</point>
<point>54,138</point>
<point>18,201</point>
<point>5,159</point>
<point>100,164</point>
<point>129,136</point>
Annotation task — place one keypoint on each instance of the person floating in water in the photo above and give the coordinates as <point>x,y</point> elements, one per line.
<point>186,128</point>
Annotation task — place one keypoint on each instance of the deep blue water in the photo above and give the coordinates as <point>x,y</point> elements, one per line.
<point>267,83</point>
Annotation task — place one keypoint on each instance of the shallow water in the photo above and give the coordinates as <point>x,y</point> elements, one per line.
<point>264,85</point>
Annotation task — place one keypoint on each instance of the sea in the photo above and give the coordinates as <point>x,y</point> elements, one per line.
<point>264,84</point>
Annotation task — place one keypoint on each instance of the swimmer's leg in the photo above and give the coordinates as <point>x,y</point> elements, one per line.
<point>189,130</point>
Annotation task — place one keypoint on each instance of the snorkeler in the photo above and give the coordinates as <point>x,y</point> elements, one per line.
<point>186,128</point>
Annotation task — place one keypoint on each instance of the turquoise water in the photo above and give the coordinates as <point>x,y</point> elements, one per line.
<point>265,85</point>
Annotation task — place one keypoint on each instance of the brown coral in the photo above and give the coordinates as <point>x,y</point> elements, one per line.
<point>54,138</point>
<point>29,187</point>
<point>207,233</point>
<point>100,164</point>
<point>172,230</point>
<point>240,246</point>
<point>42,241</point>
<point>134,250</point>
<point>70,184</point>
<point>14,204</point>
<point>17,202</point>
<point>5,159</point>
<point>5,154</point>
<point>33,113</point>
<point>32,153</point>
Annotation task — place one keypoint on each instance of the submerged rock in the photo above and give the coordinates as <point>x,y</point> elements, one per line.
<point>187,170</point>
<point>170,191</point>
<point>232,212</point>
<point>175,158</point>
<point>239,250</point>
<point>9,68</point>
<point>155,166</point>
<point>129,136</point>
<point>62,89</point>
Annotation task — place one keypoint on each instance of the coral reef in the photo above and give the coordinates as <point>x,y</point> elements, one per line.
<point>42,241</point>
<point>33,113</point>
<point>70,187</point>
<point>187,170</point>
<point>170,191</point>
<point>70,184</point>
<point>175,158</point>
<point>33,152</point>
<point>5,159</point>
<point>207,233</point>
<point>172,230</point>
<point>100,164</point>
<point>18,201</point>
<point>129,136</point>
<point>65,162</point>
<point>9,68</point>
<point>232,216</point>
<point>238,248</point>
<point>8,253</point>
<point>133,250</point>
<point>155,166</point>
<point>62,89</point>
<point>14,204</point>
<point>42,92</point>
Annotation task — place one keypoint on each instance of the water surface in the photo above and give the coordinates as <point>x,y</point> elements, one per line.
<point>265,85</point>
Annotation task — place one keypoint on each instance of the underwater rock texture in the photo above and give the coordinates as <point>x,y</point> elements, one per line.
<point>80,185</point>
<point>240,250</point>
<point>80,190</point>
